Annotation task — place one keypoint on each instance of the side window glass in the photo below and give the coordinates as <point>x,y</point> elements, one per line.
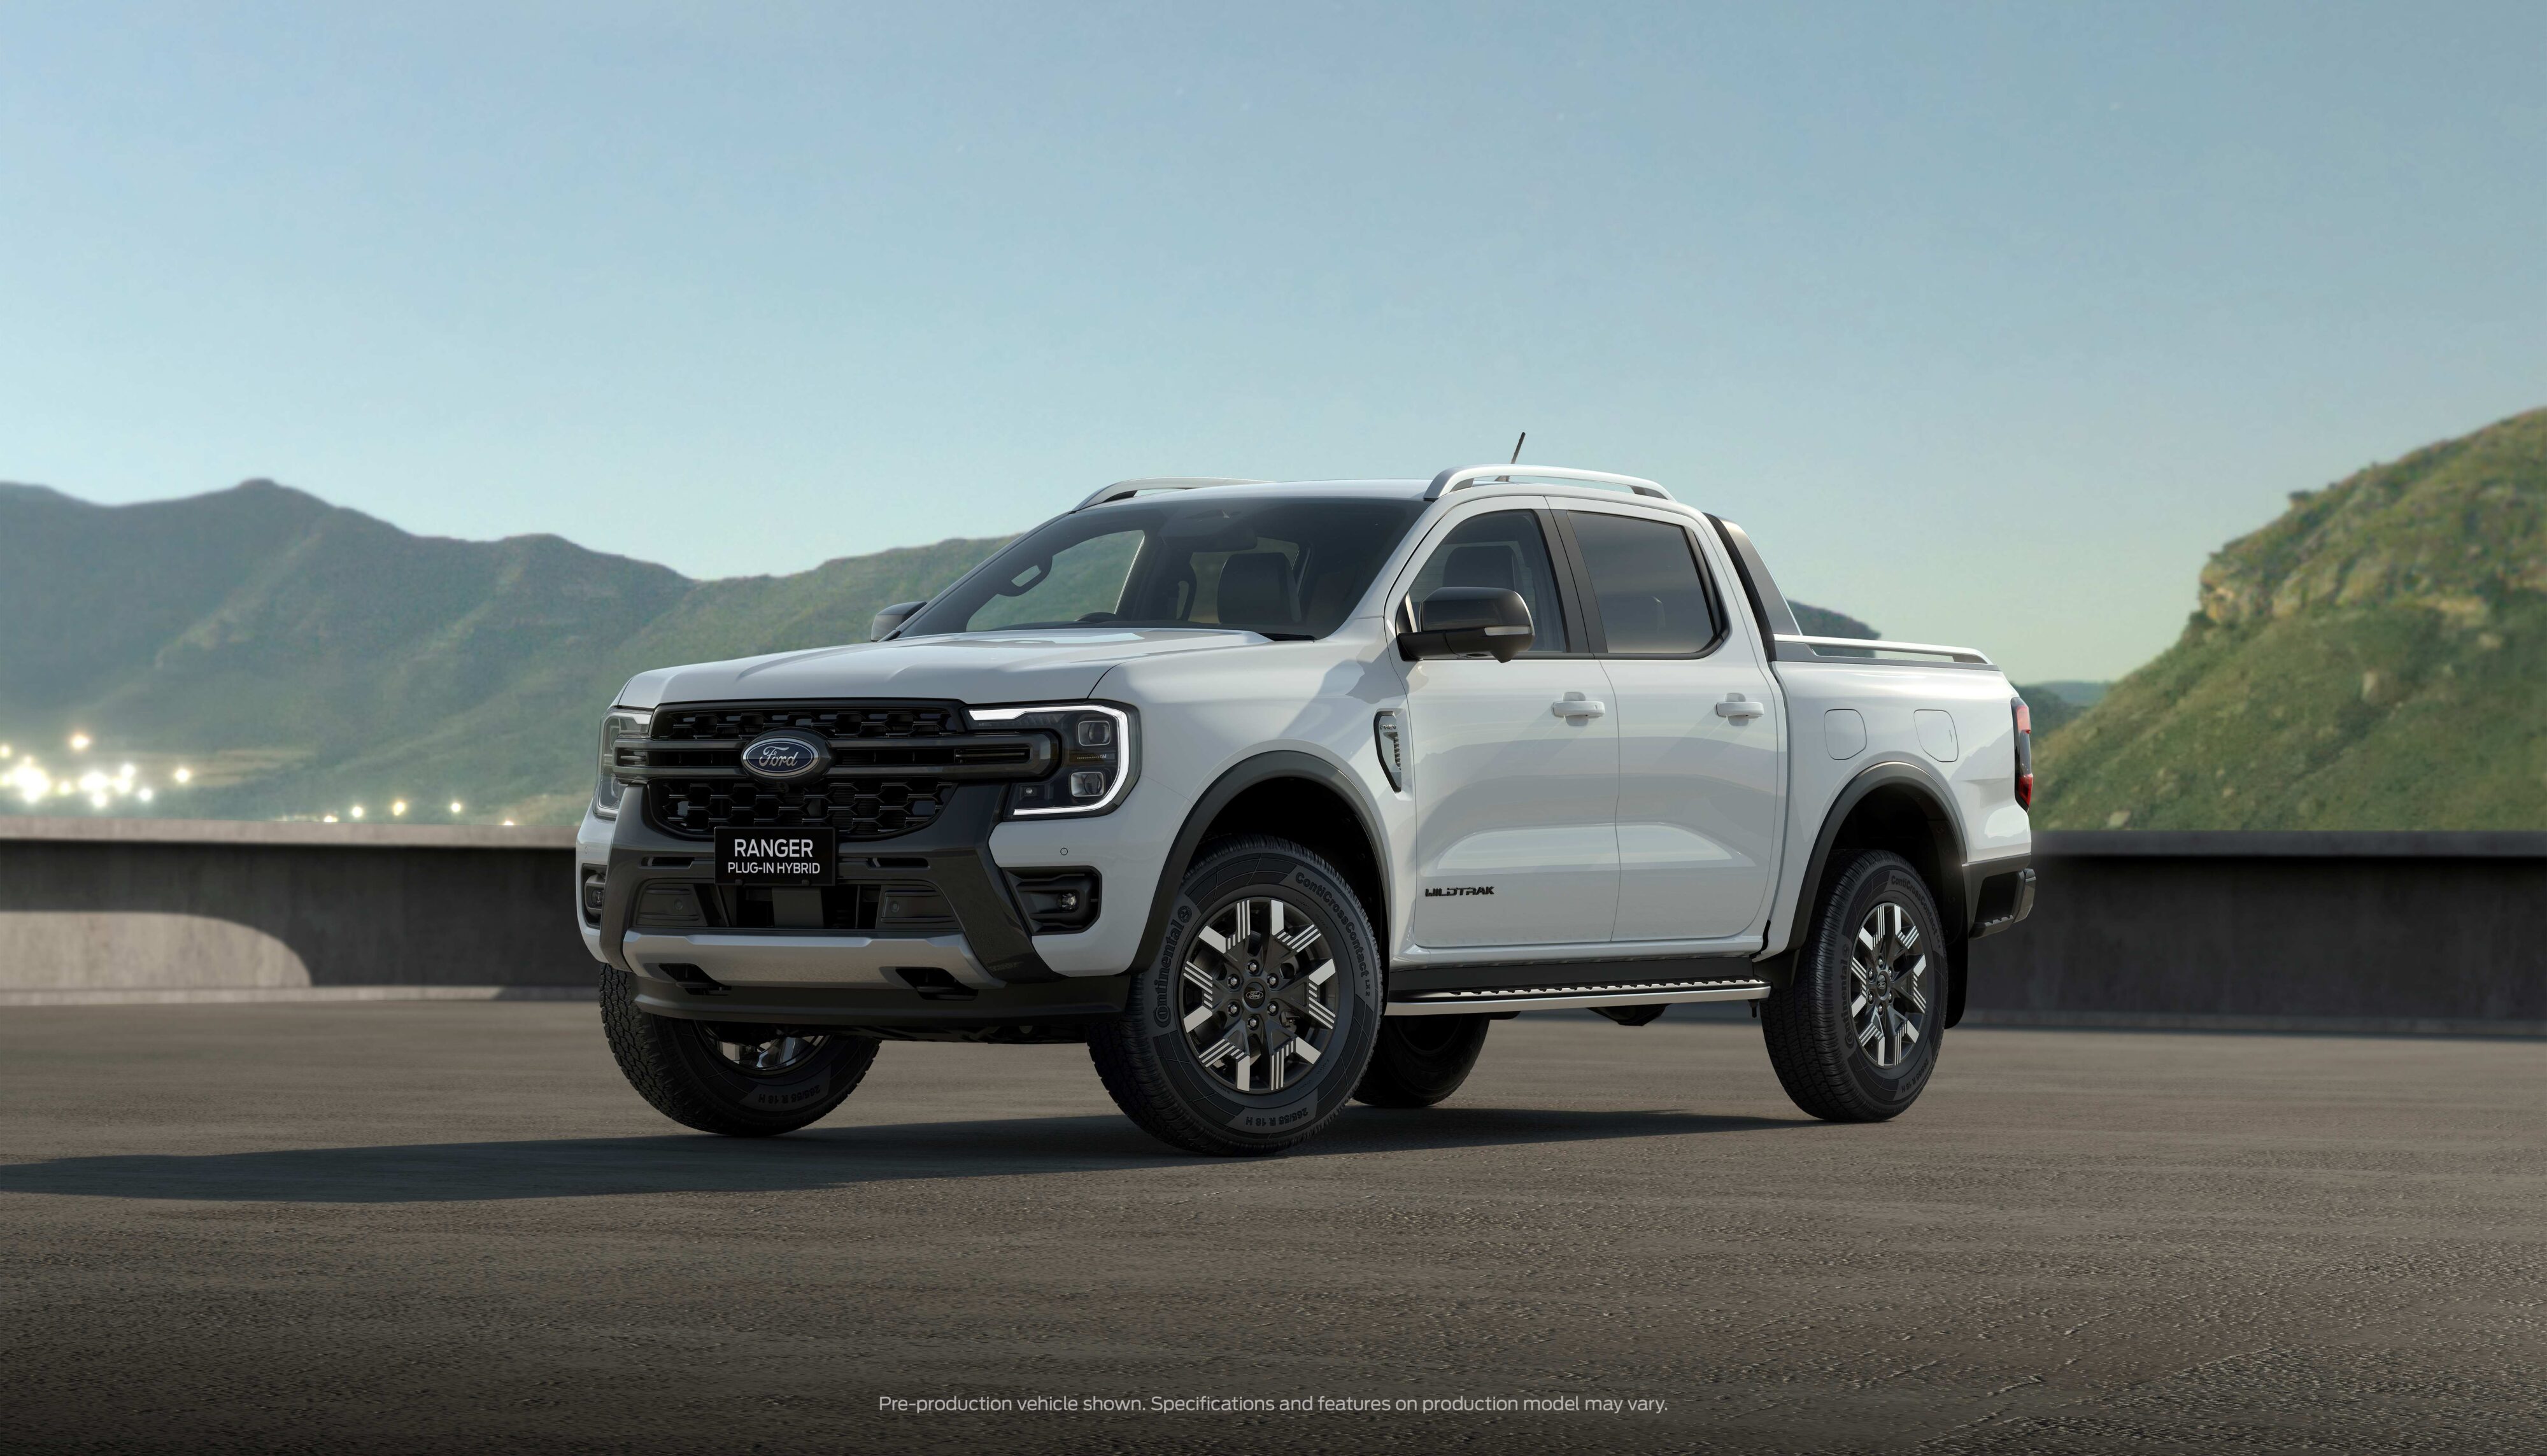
<point>1645,581</point>
<point>1505,548</point>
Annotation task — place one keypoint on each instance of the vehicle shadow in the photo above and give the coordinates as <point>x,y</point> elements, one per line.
<point>825,1158</point>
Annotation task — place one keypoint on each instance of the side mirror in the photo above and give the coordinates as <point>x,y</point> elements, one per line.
<point>1461,621</point>
<point>890,620</point>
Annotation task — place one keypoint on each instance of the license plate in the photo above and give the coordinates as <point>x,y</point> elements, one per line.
<point>805,855</point>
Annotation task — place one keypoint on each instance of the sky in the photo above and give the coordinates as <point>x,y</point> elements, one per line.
<point>1989,321</point>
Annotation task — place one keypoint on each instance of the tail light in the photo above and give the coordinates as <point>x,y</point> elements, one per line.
<point>2024,753</point>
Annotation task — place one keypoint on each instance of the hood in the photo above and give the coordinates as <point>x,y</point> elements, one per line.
<point>978,668</point>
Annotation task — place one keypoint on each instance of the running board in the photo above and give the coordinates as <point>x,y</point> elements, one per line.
<point>1576,997</point>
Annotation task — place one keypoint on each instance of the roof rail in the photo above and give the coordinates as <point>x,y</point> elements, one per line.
<point>1465,476</point>
<point>1126,489</point>
<point>1869,646</point>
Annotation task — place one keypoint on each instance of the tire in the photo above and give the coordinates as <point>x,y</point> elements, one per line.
<point>1421,1060</point>
<point>1876,932</point>
<point>703,1074</point>
<point>1208,1056</point>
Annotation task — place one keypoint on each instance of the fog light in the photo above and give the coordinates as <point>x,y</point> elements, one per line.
<point>1086,783</point>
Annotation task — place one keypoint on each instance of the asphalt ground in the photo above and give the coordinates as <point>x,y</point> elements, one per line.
<point>451,1227</point>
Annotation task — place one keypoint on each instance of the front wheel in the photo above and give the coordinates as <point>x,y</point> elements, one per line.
<point>1249,1031</point>
<point>740,1080</point>
<point>1854,1031</point>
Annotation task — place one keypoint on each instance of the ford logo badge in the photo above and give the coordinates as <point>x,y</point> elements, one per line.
<point>785,758</point>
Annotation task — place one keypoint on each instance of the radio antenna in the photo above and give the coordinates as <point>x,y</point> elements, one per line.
<point>1516,458</point>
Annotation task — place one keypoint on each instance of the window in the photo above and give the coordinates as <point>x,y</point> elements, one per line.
<point>1645,584</point>
<point>1281,565</point>
<point>1505,548</point>
<point>1075,582</point>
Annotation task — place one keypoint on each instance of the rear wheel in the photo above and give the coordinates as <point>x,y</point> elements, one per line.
<point>1249,1029</point>
<point>1421,1060</point>
<point>740,1080</point>
<point>1853,1033</point>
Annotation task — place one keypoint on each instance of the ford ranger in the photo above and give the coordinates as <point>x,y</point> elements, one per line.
<point>1281,795</point>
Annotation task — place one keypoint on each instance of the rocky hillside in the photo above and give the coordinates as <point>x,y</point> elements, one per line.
<point>2375,658</point>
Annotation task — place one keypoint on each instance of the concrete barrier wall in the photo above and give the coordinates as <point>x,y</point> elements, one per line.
<point>2394,932</point>
<point>158,909</point>
<point>2421,932</point>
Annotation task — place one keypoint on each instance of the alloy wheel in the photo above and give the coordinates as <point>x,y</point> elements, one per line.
<point>1889,998</point>
<point>762,1050</point>
<point>1258,993</point>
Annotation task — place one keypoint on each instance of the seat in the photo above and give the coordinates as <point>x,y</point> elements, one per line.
<point>1255,590</point>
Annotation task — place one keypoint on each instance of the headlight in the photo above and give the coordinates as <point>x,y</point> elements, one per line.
<point>617,724</point>
<point>1101,757</point>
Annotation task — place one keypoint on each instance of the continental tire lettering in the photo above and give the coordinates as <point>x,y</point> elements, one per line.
<point>789,1100</point>
<point>1163,976</point>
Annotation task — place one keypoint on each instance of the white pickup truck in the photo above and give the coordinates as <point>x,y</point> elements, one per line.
<point>1279,794</point>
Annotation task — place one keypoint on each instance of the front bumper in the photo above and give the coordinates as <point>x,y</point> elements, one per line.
<point>947,942</point>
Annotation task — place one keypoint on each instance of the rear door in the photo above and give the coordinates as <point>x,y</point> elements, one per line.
<point>1699,774</point>
<point>1516,798</point>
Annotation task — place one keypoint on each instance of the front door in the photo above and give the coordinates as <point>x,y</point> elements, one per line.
<point>1699,771</point>
<point>1515,795</point>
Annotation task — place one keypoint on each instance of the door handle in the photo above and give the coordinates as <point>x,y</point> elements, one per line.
<point>1576,705</point>
<point>1737,707</point>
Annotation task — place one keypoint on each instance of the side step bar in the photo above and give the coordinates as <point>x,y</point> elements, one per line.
<point>1576,997</point>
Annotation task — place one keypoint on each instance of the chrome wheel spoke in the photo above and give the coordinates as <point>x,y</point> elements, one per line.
<point>1257,993</point>
<point>1888,974</point>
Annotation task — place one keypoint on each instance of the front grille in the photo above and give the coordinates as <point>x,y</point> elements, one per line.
<point>851,720</point>
<point>894,766</point>
<point>860,809</point>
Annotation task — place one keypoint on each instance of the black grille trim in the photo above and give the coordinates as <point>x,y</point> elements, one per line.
<point>894,766</point>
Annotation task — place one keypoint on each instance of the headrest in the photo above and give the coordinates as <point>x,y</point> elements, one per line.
<point>1481,564</point>
<point>1255,590</point>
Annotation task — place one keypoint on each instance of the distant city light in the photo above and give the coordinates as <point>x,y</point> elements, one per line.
<point>508,823</point>
<point>358,811</point>
<point>455,805</point>
<point>79,743</point>
<point>326,819</point>
<point>398,809</point>
<point>144,796</point>
<point>184,775</point>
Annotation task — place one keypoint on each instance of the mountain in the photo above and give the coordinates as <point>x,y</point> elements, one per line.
<point>1824,622</point>
<point>296,657</point>
<point>2375,658</point>
<point>299,656</point>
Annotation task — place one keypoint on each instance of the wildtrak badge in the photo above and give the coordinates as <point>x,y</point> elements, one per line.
<point>1440,892</point>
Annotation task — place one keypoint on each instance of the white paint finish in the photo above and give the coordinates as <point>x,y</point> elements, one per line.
<point>141,950</point>
<point>1204,714</point>
<point>1512,798</point>
<point>1844,732</point>
<point>1980,782</point>
<point>1936,730</point>
<point>986,670</point>
<point>1699,796</point>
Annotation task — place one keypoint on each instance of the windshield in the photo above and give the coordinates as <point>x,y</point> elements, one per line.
<point>1288,568</point>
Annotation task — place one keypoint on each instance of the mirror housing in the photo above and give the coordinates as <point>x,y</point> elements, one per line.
<point>890,620</point>
<point>1464,621</point>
